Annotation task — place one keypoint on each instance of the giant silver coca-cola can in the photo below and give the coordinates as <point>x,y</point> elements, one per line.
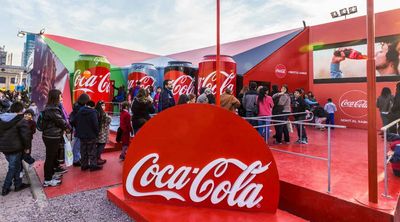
<point>144,73</point>
<point>207,74</point>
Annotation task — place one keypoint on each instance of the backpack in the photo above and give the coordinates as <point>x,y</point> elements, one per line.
<point>39,122</point>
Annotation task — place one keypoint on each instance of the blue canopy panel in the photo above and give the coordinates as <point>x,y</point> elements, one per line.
<point>248,59</point>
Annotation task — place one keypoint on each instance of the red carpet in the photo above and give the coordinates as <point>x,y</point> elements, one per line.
<point>349,175</point>
<point>75,180</point>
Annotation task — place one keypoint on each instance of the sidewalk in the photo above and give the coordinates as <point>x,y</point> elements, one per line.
<point>84,206</point>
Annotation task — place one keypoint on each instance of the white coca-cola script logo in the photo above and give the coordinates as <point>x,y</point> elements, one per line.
<point>86,84</point>
<point>145,81</point>
<point>210,82</point>
<point>242,192</point>
<point>353,103</point>
<point>184,84</point>
<point>280,71</point>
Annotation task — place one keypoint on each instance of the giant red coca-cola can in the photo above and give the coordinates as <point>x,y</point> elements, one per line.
<point>182,75</point>
<point>144,73</point>
<point>207,74</point>
<point>92,76</point>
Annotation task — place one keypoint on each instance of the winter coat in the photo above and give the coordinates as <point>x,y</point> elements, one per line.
<point>384,103</point>
<point>299,106</point>
<point>229,102</point>
<point>283,102</point>
<point>250,100</point>
<point>14,133</point>
<point>87,124</point>
<point>166,99</point>
<point>125,125</point>
<point>104,129</point>
<point>141,111</point>
<point>265,107</point>
<point>53,122</point>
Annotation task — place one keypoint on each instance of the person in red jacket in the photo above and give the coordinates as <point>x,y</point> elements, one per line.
<point>125,125</point>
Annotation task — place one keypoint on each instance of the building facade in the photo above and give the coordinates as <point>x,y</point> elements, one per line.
<point>11,76</point>
<point>29,47</point>
<point>3,56</point>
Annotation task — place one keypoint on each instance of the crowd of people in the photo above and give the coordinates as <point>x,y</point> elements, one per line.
<point>88,123</point>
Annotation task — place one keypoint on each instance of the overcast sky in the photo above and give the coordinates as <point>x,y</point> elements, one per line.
<point>164,26</point>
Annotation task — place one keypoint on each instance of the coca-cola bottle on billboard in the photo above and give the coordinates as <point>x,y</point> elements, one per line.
<point>182,75</point>
<point>144,73</point>
<point>350,53</point>
<point>207,74</point>
<point>92,76</point>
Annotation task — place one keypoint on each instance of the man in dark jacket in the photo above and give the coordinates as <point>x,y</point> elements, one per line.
<point>299,105</point>
<point>87,130</point>
<point>14,139</point>
<point>167,98</point>
<point>76,150</point>
<point>250,102</point>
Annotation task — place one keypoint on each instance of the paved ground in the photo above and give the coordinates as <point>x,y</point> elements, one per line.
<point>85,206</point>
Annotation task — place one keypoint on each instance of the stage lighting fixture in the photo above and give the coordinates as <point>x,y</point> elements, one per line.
<point>334,14</point>
<point>343,12</point>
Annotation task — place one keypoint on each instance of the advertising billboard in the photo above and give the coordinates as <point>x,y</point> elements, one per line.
<point>348,60</point>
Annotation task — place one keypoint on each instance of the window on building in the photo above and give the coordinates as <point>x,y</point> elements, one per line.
<point>24,81</point>
<point>3,80</point>
<point>12,80</point>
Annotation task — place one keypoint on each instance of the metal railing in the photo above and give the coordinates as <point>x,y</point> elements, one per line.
<point>305,122</point>
<point>385,157</point>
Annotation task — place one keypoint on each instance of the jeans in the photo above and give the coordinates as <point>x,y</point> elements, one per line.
<point>301,129</point>
<point>331,119</point>
<point>385,119</point>
<point>251,121</point>
<point>14,168</point>
<point>76,149</point>
<point>282,129</point>
<point>264,131</point>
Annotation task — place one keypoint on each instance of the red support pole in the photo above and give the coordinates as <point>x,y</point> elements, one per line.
<point>218,71</point>
<point>371,93</point>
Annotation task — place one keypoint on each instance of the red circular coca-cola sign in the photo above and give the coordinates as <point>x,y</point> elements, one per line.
<point>354,104</point>
<point>280,71</point>
<point>96,85</point>
<point>207,77</point>
<point>232,169</point>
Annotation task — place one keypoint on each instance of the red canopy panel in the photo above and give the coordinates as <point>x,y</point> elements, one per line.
<point>116,56</point>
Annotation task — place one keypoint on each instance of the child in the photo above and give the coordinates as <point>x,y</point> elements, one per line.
<point>29,116</point>
<point>330,107</point>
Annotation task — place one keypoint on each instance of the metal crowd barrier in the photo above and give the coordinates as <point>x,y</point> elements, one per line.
<point>385,157</point>
<point>305,122</point>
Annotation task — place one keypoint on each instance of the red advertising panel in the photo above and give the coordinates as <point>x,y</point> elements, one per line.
<point>288,65</point>
<point>232,169</point>
<point>351,101</point>
<point>207,74</point>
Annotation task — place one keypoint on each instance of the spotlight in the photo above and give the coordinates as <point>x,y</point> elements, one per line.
<point>343,12</point>
<point>352,9</point>
<point>41,31</point>
<point>21,34</point>
<point>334,14</point>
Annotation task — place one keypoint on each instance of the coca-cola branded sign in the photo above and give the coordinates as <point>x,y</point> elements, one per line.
<point>353,103</point>
<point>280,71</point>
<point>234,169</point>
<point>145,80</point>
<point>96,85</point>
<point>228,80</point>
<point>181,83</point>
